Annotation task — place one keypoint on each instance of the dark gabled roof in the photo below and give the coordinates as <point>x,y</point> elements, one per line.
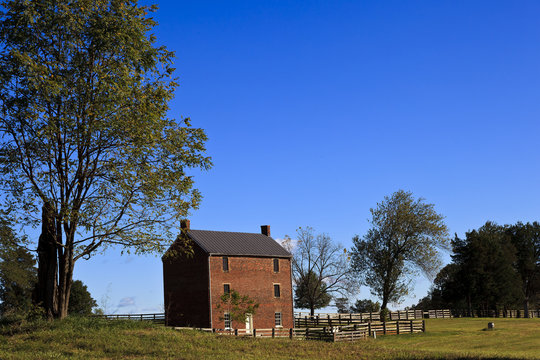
<point>237,243</point>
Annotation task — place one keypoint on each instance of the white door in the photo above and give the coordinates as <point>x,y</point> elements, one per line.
<point>249,323</point>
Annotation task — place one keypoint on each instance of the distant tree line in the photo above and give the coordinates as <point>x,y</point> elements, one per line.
<point>496,267</point>
<point>18,281</point>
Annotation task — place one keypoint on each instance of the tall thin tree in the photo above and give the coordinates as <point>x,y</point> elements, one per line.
<point>320,268</point>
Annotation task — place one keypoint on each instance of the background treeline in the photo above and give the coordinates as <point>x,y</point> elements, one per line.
<point>493,268</point>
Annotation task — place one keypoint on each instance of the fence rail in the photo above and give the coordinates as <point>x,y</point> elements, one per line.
<point>158,318</point>
<point>303,319</point>
<point>273,332</point>
<point>329,320</point>
<point>322,320</point>
<point>438,314</point>
<point>495,313</point>
<point>333,319</point>
<point>407,314</point>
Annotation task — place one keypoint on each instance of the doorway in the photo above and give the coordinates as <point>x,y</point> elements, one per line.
<point>249,323</point>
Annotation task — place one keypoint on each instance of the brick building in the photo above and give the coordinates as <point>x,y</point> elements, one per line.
<point>250,263</point>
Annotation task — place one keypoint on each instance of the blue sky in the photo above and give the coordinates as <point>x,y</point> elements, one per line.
<point>317,110</point>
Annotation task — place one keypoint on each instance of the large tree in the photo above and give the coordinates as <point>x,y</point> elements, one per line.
<point>320,268</point>
<point>85,136</point>
<point>405,236</point>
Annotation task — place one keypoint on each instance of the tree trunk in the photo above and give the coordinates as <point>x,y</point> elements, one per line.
<point>46,288</point>
<point>65,276</point>
<point>384,302</point>
<point>312,310</point>
<point>55,271</point>
<point>526,306</point>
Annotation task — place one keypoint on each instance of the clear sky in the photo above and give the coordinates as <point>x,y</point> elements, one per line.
<point>316,110</point>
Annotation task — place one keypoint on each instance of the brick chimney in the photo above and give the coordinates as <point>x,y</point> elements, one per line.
<point>265,230</point>
<point>184,224</point>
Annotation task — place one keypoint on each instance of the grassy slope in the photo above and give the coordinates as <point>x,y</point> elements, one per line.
<point>446,338</point>
<point>511,338</point>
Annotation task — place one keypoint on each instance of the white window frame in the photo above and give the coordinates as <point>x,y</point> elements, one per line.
<point>278,315</point>
<point>227,319</point>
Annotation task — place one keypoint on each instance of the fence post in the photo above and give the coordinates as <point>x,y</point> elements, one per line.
<point>369,328</point>
<point>273,333</point>
<point>291,333</point>
<point>213,330</point>
<point>254,332</point>
<point>384,327</point>
<point>412,328</point>
<point>397,327</point>
<point>236,332</point>
<point>307,333</point>
<point>423,325</point>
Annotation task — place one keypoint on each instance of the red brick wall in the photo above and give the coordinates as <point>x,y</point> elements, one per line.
<point>254,277</point>
<point>185,285</point>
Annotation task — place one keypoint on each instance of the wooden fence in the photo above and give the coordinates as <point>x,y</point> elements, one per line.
<point>292,333</point>
<point>335,333</point>
<point>397,327</point>
<point>271,333</point>
<point>158,318</point>
<point>407,314</point>
<point>329,320</point>
<point>439,314</point>
<point>302,319</point>
<point>496,313</point>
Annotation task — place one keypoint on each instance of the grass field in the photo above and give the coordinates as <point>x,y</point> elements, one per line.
<point>98,339</point>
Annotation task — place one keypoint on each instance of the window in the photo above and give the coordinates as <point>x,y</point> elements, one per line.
<point>276,290</point>
<point>276,265</point>
<point>277,317</point>
<point>225,263</point>
<point>226,288</point>
<point>227,318</point>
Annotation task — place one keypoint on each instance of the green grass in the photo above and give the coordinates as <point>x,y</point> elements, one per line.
<point>98,339</point>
